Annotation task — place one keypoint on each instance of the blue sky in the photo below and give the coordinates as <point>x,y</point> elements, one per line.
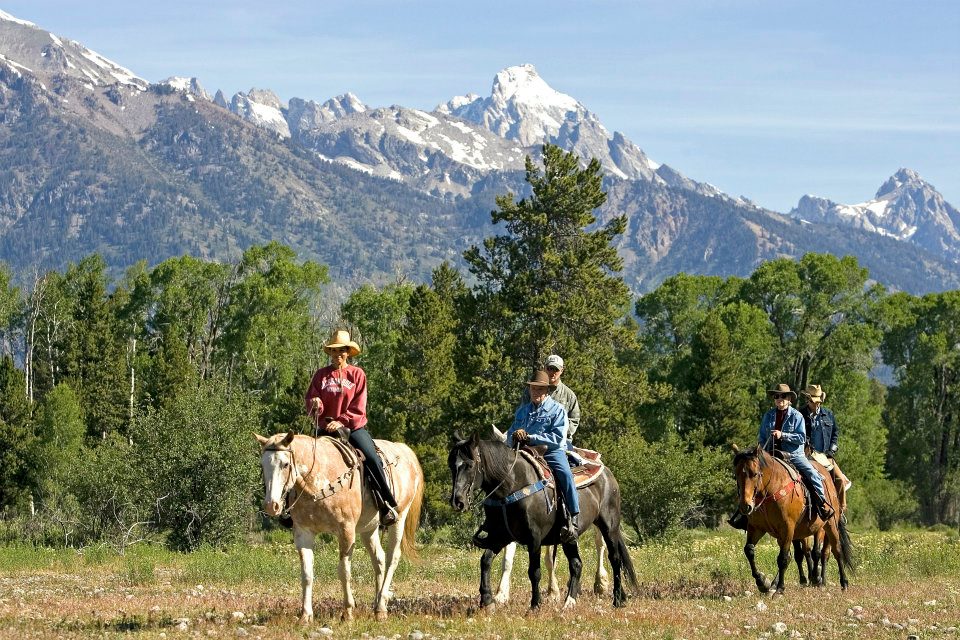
<point>768,99</point>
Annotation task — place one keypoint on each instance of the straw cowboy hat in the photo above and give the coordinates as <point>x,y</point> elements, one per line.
<point>541,379</point>
<point>340,339</point>
<point>782,388</point>
<point>814,392</point>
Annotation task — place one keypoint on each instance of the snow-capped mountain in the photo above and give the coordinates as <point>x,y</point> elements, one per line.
<point>27,46</point>
<point>523,107</point>
<point>93,158</point>
<point>905,207</point>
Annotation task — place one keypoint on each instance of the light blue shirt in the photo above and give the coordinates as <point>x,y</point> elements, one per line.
<point>546,424</point>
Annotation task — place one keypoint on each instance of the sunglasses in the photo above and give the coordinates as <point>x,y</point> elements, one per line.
<point>552,369</point>
<point>782,396</point>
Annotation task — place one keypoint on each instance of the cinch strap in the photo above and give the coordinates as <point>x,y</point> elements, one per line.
<point>517,496</point>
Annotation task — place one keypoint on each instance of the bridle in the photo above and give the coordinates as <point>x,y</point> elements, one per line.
<point>477,460</point>
<point>293,474</point>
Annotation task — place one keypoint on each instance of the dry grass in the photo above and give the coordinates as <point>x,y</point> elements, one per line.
<point>698,587</point>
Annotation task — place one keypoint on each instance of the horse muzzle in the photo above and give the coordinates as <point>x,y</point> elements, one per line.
<point>458,503</point>
<point>272,508</point>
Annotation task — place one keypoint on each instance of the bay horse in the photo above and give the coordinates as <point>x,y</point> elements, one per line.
<point>521,508</point>
<point>319,482</point>
<point>774,503</point>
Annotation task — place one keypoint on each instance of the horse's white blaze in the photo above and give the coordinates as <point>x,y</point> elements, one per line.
<point>276,474</point>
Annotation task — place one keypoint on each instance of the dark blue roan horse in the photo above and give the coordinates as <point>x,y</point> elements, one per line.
<point>519,508</point>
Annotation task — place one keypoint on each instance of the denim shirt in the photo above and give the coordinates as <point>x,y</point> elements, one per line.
<point>794,431</point>
<point>823,431</point>
<point>546,425</point>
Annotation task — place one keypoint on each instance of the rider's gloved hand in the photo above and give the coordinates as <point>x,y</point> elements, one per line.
<point>520,436</point>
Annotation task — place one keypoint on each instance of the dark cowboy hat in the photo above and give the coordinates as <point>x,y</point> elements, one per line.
<point>541,379</point>
<point>782,388</point>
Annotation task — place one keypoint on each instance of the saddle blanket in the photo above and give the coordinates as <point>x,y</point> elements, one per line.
<point>583,474</point>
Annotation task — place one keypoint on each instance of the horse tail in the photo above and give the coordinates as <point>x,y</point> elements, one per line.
<point>408,543</point>
<point>846,546</point>
<point>626,562</point>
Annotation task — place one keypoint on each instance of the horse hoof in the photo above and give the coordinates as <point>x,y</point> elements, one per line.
<point>346,615</point>
<point>381,616</point>
<point>306,618</point>
<point>569,603</point>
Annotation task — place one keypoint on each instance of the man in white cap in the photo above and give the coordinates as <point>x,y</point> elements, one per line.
<point>563,394</point>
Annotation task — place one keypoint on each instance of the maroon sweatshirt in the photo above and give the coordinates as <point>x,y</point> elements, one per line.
<point>343,393</point>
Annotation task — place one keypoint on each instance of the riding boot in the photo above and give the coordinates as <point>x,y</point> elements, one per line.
<point>825,511</point>
<point>738,521</point>
<point>570,532</point>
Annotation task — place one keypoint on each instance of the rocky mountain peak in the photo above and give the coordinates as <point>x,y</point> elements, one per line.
<point>189,86</point>
<point>902,179</point>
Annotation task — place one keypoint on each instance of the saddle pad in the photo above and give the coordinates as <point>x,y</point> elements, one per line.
<point>583,474</point>
<point>822,458</point>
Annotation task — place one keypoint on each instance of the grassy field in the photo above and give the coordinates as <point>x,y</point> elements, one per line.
<point>697,586</point>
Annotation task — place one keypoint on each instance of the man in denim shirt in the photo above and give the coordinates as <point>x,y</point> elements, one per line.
<point>783,428</point>
<point>822,430</point>
<point>542,422</point>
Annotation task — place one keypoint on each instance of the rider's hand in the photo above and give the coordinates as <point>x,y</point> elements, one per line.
<point>520,436</point>
<point>316,405</point>
<point>777,434</point>
<point>333,425</point>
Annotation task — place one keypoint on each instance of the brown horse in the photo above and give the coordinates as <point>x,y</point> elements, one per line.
<point>318,481</point>
<point>774,503</point>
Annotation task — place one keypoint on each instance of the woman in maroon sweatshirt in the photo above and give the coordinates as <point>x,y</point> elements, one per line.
<point>337,396</point>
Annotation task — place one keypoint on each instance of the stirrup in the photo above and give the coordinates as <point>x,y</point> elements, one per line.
<point>388,517</point>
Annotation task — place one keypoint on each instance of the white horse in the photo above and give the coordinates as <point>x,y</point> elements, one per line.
<point>601,581</point>
<point>320,482</point>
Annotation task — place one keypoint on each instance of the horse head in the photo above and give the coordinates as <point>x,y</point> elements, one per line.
<point>748,468</point>
<point>279,470</point>
<point>464,463</point>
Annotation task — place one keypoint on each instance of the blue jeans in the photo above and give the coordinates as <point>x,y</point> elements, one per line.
<point>557,459</point>
<point>806,469</point>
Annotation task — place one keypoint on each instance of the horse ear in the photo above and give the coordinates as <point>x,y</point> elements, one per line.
<point>497,434</point>
<point>475,439</point>
<point>287,439</point>
<point>263,441</point>
<point>458,437</point>
<point>735,448</point>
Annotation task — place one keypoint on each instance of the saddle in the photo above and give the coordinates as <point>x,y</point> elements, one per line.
<point>584,474</point>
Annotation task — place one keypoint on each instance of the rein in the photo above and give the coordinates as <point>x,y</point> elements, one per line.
<point>345,479</point>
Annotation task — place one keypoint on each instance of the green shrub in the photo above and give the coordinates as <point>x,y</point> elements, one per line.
<point>664,486</point>
<point>892,501</point>
<point>196,457</point>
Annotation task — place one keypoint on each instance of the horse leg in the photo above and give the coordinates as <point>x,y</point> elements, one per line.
<point>816,554</point>
<point>394,538</point>
<point>486,561</point>
<point>533,572</point>
<point>611,540</point>
<point>304,541</point>
<point>749,550</point>
<point>601,583</point>
<point>801,556</point>
<point>550,554</point>
<point>503,589</point>
<point>838,552</point>
<point>783,561</point>
<point>572,551</point>
<point>346,539</point>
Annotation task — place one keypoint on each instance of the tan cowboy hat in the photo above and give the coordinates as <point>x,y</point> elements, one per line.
<point>814,392</point>
<point>782,388</point>
<point>339,339</point>
<point>541,379</point>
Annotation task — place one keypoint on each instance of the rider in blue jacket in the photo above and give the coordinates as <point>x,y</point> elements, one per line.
<point>542,422</point>
<point>783,428</point>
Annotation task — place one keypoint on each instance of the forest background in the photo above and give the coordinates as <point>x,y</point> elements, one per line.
<point>126,407</point>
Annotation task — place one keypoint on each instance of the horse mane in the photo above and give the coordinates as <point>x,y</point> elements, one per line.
<point>496,458</point>
<point>750,454</point>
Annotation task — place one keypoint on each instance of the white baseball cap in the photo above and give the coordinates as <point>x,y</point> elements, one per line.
<point>554,361</point>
